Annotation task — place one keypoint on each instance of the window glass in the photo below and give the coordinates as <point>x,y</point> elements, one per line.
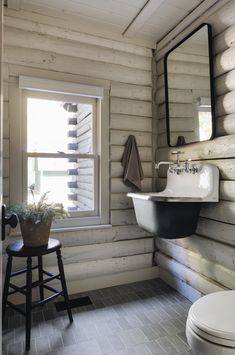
<point>56,126</point>
<point>70,181</point>
<point>60,152</point>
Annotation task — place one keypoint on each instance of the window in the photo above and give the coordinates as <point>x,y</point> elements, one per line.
<point>61,151</point>
<point>204,117</point>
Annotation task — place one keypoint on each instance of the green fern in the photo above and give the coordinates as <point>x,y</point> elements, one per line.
<point>39,212</point>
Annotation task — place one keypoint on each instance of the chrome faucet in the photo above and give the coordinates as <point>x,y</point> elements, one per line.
<point>190,168</point>
<point>176,163</point>
<point>177,153</point>
<point>187,165</point>
<point>157,165</point>
<point>176,168</point>
<point>173,167</point>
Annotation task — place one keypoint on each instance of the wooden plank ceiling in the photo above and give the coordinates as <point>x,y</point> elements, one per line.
<point>147,20</point>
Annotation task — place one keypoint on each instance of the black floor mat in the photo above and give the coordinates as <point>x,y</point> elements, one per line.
<point>76,302</point>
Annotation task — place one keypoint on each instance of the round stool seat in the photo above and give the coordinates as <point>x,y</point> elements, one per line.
<point>212,318</point>
<point>18,249</point>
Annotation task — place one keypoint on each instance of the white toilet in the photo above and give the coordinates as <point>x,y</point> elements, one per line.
<point>210,328</point>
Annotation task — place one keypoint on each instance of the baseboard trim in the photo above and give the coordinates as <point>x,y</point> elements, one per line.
<point>98,282</point>
<point>179,285</point>
<point>112,280</point>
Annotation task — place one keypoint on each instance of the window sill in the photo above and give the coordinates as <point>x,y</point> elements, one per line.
<point>73,229</point>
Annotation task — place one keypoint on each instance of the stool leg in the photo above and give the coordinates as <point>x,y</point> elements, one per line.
<point>6,285</point>
<point>40,274</point>
<point>63,284</point>
<point>28,302</point>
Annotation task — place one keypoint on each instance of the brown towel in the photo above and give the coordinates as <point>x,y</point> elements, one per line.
<point>133,172</point>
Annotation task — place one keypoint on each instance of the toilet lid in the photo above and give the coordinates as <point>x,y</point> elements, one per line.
<point>213,317</point>
<point>208,337</point>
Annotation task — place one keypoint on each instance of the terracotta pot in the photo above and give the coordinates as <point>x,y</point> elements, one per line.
<point>35,235</point>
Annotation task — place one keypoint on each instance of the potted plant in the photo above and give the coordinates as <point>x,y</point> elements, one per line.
<point>35,219</point>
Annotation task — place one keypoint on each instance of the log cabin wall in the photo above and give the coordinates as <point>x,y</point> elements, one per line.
<point>205,262</point>
<point>40,46</point>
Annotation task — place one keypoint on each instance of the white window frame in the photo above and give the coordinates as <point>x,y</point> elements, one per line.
<point>17,139</point>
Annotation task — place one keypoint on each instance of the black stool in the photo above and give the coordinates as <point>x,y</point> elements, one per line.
<point>19,250</point>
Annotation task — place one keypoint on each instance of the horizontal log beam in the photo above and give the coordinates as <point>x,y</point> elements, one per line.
<point>116,153</point>
<point>225,104</point>
<point>131,107</point>
<point>117,169</point>
<point>219,231</point>
<point>176,96</point>
<point>224,40</point>
<point>178,125</point>
<point>190,59</point>
<point>225,83</point>
<point>176,66</point>
<point>112,266</point>
<point>214,271</point>
<point>133,123</point>
<point>180,285</point>
<point>16,70</point>
<point>119,137</point>
<point>123,217</point>
<point>192,278</point>
<point>26,39</point>
<point>227,190</point>
<point>46,60</point>
<point>223,211</point>
<point>221,147</point>
<point>224,62</point>
<point>209,249</point>
<point>134,92</point>
<point>54,27</point>
<point>121,201</point>
<point>97,252</point>
<point>176,110</point>
<point>225,125</point>
<point>118,186</point>
<point>187,82</point>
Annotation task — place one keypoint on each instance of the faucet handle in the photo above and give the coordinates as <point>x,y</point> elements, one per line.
<point>177,153</point>
<point>187,165</point>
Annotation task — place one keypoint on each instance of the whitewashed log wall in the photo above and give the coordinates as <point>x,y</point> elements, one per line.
<point>36,46</point>
<point>205,262</point>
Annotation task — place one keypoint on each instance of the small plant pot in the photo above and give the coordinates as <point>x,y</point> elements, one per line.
<point>35,235</point>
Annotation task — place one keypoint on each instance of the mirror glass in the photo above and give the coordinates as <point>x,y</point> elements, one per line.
<point>189,94</point>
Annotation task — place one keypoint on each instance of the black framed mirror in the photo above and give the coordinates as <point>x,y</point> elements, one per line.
<point>189,94</point>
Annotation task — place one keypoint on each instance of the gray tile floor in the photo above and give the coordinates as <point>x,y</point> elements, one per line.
<point>144,318</point>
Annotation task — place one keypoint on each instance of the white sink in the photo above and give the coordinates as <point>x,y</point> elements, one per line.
<point>174,212</point>
<point>202,186</point>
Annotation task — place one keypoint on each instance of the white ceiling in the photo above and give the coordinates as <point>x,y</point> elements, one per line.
<point>137,20</point>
